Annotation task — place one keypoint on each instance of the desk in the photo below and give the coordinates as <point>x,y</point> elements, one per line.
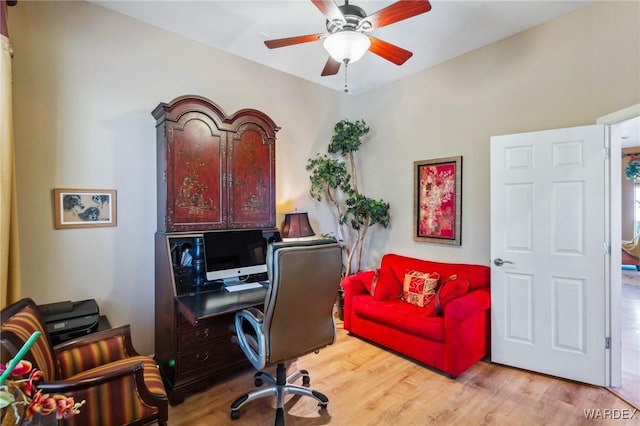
<point>194,326</point>
<point>194,323</point>
<point>200,305</point>
<point>199,351</point>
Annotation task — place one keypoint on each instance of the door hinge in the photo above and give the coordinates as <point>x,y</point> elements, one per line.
<point>606,153</point>
<point>607,248</point>
<point>164,176</point>
<point>607,342</point>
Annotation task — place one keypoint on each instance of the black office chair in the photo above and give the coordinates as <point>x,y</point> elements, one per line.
<point>297,319</point>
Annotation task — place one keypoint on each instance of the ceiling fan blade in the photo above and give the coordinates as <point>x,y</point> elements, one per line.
<point>282,42</point>
<point>331,67</point>
<point>329,9</point>
<point>398,11</point>
<point>388,51</point>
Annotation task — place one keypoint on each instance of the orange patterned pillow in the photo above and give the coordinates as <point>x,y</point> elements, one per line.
<point>419,287</point>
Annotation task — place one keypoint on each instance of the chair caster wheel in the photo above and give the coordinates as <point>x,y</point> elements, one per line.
<point>258,382</point>
<point>235,414</point>
<point>306,381</point>
<point>322,405</point>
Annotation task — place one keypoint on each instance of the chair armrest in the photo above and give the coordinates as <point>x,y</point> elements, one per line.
<point>108,375</point>
<point>255,314</point>
<point>254,344</point>
<point>94,350</point>
<point>118,393</point>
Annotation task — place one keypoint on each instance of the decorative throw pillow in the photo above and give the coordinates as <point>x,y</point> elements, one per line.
<point>385,286</point>
<point>369,285</point>
<point>419,287</point>
<point>452,288</point>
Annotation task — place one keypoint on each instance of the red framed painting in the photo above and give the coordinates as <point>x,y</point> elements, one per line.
<point>437,200</point>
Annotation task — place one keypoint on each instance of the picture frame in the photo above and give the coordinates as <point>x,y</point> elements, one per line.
<point>437,200</point>
<point>84,208</point>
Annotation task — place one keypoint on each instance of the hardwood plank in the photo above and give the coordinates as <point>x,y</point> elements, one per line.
<point>630,389</point>
<point>367,385</point>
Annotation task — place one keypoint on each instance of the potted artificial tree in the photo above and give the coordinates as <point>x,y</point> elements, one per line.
<point>334,178</point>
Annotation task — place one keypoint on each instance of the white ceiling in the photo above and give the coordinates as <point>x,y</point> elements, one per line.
<point>450,29</point>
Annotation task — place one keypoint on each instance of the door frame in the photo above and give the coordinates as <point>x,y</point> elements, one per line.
<point>613,214</point>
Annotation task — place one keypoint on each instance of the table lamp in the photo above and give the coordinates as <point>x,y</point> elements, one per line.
<point>296,225</point>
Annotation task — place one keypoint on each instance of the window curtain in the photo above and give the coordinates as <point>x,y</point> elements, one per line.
<point>9,257</point>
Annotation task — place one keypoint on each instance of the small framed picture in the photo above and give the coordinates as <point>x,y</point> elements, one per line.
<point>437,200</point>
<point>84,208</point>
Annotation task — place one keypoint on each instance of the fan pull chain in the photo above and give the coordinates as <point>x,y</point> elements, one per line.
<point>346,68</point>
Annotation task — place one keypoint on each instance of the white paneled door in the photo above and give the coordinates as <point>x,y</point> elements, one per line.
<point>548,252</point>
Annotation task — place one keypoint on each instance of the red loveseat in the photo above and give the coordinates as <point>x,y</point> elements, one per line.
<point>450,339</point>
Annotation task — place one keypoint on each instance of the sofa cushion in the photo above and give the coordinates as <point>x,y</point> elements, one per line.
<point>419,288</point>
<point>400,315</point>
<point>385,285</point>
<point>451,289</point>
<point>478,275</point>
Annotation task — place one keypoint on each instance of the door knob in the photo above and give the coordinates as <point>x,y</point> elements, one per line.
<point>499,262</point>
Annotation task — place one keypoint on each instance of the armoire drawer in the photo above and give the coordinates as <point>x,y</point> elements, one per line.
<point>187,338</point>
<point>213,328</point>
<point>214,356</point>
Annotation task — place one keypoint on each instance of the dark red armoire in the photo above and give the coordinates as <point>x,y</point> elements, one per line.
<point>215,172</point>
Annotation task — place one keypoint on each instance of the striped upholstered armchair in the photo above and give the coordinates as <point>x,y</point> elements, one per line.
<point>120,386</point>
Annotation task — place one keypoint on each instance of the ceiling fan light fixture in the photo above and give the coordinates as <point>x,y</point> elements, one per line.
<point>347,46</point>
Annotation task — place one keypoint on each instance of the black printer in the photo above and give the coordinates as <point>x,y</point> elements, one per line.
<point>68,320</point>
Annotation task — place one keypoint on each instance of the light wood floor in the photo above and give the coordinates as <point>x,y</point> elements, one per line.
<point>630,389</point>
<point>367,385</point>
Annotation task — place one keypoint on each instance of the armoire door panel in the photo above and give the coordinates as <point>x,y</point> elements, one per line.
<point>251,161</point>
<point>196,165</point>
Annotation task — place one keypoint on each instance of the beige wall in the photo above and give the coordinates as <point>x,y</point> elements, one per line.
<point>86,80</point>
<point>565,73</point>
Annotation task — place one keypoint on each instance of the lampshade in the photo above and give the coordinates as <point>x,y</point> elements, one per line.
<point>296,225</point>
<point>347,46</point>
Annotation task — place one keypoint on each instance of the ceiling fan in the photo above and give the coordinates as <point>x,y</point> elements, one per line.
<point>347,40</point>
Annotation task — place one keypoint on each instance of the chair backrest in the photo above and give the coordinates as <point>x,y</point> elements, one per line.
<point>19,321</point>
<point>298,313</point>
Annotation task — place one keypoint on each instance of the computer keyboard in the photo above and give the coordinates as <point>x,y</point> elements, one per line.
<point>240,287</point>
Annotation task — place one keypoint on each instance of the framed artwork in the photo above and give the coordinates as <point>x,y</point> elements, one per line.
<point>437,200</point>
<point>84,208</point>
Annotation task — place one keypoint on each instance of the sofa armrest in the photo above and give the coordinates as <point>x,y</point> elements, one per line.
<point>357,283</point>
<point>466,306</point>
<point>467,329</point>
<point>354,285</point>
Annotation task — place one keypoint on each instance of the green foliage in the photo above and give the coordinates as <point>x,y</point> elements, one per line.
<point>366,211</point>
<point>327,174</point>
<point>330,179</point>
<point>348,137</point>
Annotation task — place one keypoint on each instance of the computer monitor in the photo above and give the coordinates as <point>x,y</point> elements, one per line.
<point>234,254</point>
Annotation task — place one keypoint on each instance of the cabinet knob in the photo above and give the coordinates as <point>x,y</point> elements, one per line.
<point>202,334</point>
<point>202,356</point>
